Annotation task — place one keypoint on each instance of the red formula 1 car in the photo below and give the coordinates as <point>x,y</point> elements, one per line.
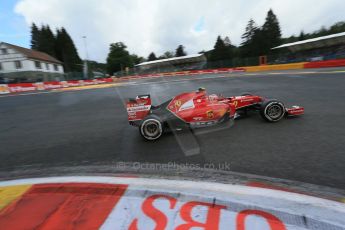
<point>197,109</point>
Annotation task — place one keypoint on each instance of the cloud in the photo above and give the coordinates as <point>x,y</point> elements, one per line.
<point>161,25</point>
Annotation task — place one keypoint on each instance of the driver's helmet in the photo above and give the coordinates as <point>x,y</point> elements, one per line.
<point>200,93</point>
<point>201,90</point>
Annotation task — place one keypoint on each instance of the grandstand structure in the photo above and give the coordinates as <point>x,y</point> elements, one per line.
<point>315,49</point>
<point>189,62</point>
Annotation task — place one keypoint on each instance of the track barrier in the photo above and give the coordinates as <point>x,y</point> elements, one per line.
<point>26,87</point>
<point>274,67</point>
<point>325,64</point>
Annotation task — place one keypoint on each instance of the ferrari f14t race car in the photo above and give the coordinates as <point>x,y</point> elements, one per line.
<point>198,109</point>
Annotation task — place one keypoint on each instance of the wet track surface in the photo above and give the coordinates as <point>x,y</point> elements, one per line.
<point>90,127</point>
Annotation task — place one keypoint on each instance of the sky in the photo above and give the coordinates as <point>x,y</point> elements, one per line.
<point>159,25</point>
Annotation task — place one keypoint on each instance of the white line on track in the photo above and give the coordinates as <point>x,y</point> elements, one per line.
<point>24,94</point>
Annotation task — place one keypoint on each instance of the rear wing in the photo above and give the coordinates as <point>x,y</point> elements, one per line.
<point>138,108</point>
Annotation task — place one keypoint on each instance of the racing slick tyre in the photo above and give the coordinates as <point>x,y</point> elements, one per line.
<point>151,128</point>
<point>272,110</point>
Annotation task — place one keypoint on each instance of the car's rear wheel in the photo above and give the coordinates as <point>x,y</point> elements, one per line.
<point>151,128</point>
<point>272,110</point>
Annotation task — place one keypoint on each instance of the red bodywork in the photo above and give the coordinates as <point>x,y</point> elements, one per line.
<point>199,107</point>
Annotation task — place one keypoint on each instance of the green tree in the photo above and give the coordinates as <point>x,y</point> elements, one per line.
<point>43,39</point>
<point>118,58</point>
<point>60,46</point>
<point>35,36</point>
<point>167,54</point>
<point>67,52</point>
<point>249,38</point>
<point>47,40</point>
<point>136,59</point>
<point>221,51</point>
<point>259,45</point>
<point>227,41</point>
<point>337,28</point>
<point>323,31</point>
<point>152,57</point>
<point>180,51</point>
<point>301,36</point>
<point>291,39</point>
<point>271,32</point>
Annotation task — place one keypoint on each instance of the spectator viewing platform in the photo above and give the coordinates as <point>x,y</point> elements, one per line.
<point>194,61</point>
<point>315,49</point>
<point>319,42</point>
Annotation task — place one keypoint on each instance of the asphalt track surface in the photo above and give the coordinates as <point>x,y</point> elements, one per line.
<point>90,127</point>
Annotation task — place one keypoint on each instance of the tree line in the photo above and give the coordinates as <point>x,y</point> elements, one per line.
<point>323,31</point>
<point>256,41</point>
<point>59,45</point>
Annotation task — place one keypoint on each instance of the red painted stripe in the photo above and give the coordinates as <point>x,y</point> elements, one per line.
<point>62,206</point>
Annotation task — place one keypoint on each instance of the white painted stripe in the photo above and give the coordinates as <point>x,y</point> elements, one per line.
<point>25,94</point>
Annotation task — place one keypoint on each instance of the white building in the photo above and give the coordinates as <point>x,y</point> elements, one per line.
<point>26,65</point>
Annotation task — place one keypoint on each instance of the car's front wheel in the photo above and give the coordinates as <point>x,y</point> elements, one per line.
<point>272,110</point>
<point>151,128</point>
